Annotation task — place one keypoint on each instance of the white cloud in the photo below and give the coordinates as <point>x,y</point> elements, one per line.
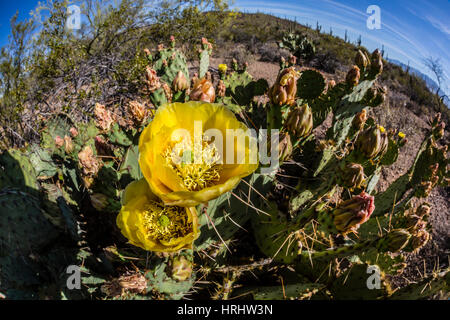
<point>444,28</point>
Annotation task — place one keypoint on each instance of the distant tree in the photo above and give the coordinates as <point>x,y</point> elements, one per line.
<point>435,66</point>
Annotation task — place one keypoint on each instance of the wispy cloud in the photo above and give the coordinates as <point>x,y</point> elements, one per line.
<point>441,26</point>
<point>410,30</point>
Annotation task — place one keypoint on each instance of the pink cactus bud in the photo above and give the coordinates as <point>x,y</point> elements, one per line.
<point>59,142</point>
<point>73,131</point>
<point>350,214</point>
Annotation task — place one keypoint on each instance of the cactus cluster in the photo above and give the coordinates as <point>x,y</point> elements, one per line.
<point>300,45</point>
<point>321,226</point>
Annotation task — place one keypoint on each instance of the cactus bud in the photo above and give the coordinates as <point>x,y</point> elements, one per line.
<point>394,241</point>
<point>438,131</point>
<point>436,119</point>
<point>180,82</point>
<point>300,121</point>
<point>88,162</point>
<point>99,201</point>
<point>167,91</point>
<point>282,63</point>
<point>377,62</point>
<point>138,111</point>
<point>208,76</point>
<point>74,132</point>
<point>181,268</point>
<point>360,119</point>
<point>221,89</point>
<point>352,176</point>
<point>148,54</point>
<point>59,142</point>
<point>68,144</point>
<point>292,60</point>
<point>350,214</point>
<point>172,41</point>
<point>206,44</point>
<point>105,118</point>
<point>203,90</point>
<point>353,76</point>
<point>284,147</point>
<point>152,79</point>
<point>361,60</point>
<point>194,79</point>
<point>284,90</point>
<point>372,142</point>
<point>234,64</point>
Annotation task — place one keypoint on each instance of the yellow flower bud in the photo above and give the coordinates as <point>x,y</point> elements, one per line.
<point>372,142</point>
<point>353,76</point>
<point>300,121</point>
<point>180,82</point>
<point>68,144</point>
<point>284,90</point>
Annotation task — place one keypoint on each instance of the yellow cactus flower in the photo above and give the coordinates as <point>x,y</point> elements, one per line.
<point>401,135</point>
<point>222,68</point>
<point>148,224</point>
<point>382,129</point>
<point>186,173</point>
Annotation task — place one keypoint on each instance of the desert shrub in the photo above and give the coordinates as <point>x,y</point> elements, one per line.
<point>55,69</point>
<point>270,52</point>
<point>241,54</point>
<point>326,62</point>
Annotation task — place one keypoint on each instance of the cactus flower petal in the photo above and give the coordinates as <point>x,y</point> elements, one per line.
<point>189,183</point>
<point>150,225</point>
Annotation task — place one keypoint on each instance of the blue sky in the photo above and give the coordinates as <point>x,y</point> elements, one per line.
<point>410,30</point>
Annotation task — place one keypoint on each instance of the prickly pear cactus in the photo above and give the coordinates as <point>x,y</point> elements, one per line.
<point>313,220</point>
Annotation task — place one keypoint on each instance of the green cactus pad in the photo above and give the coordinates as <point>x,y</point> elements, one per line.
<point>16,170</point>
<point>310,85</point>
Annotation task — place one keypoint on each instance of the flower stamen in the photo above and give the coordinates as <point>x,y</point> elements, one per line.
<point>197,165</point>
<point>166,222</point>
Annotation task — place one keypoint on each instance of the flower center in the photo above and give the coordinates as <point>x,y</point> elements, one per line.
<point>166,222</point>
<point>197,165</point>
